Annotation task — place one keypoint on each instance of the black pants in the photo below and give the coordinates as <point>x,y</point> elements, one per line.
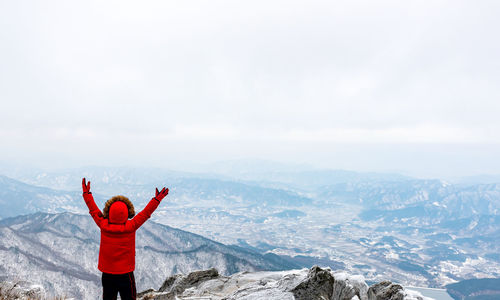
<point>122,283</point>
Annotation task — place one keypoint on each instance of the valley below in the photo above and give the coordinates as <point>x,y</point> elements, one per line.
<point>427,256</point>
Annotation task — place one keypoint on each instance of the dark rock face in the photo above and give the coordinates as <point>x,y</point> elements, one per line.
<point>322,284</point>
<point>342,291</point>
<point>386,290</point>
<point>177,284</point>
<point>317,285</point>
<point>167,284</point>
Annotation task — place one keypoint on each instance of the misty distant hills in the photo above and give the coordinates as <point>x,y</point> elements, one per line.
<point>429,202</point>
<point>296,176</point>
<point>17,198</point>
<point>260,173</point>
<point>60,251</point>
<point>235,183</point>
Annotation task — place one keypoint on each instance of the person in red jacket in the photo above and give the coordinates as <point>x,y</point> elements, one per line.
<point>117,248</point>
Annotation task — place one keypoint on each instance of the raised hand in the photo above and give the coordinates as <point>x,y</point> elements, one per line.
<point>85,186</point>
<point>160,195</point>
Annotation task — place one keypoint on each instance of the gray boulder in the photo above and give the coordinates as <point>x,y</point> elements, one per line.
<point>347,287</point>
<point>317,285</point>
<point>386,290</point>
<point>177,284</point>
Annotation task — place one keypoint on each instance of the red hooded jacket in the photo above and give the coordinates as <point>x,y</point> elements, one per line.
<point>117,248</point>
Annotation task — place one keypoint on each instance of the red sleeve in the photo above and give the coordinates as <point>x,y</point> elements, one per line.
<point>94,211</point>
<point>145,214</point>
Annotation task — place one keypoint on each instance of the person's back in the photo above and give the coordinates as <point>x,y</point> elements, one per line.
<point>117,247</point>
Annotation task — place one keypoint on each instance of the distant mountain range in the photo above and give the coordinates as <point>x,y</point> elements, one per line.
<point>64,194</point>
<point>17,198</point>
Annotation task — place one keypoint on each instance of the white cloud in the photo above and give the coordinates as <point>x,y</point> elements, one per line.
<point>289,71</point>
<point>420,134</point>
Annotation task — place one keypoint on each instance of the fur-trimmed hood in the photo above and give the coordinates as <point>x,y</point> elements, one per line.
<point>130,206</point>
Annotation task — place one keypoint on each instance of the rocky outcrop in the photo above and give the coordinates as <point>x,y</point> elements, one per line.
<point>305,284</point>
<point>21,291</point>
<point>386,290</point>
<point>323,284</point>
<point>177,284</point>
<point>349,287</point>
<point>317,285</point>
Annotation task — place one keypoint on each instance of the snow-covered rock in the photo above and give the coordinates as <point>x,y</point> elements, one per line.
<point>414,295</point>
<point>304,284</point>
<point>387,290</point>
<point>347,285</point>
<point>21,291</point>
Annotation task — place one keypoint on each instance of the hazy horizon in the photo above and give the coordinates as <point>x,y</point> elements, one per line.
<point>386,86</point>
<point>246,165</point>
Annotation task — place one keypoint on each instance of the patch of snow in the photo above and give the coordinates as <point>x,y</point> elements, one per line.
<point>414,295</point>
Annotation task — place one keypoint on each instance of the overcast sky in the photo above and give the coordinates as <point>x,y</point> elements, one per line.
<point>408,86</point>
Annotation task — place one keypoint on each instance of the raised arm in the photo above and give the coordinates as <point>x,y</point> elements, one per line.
<point>94,211</point>
<point>145,214</point>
